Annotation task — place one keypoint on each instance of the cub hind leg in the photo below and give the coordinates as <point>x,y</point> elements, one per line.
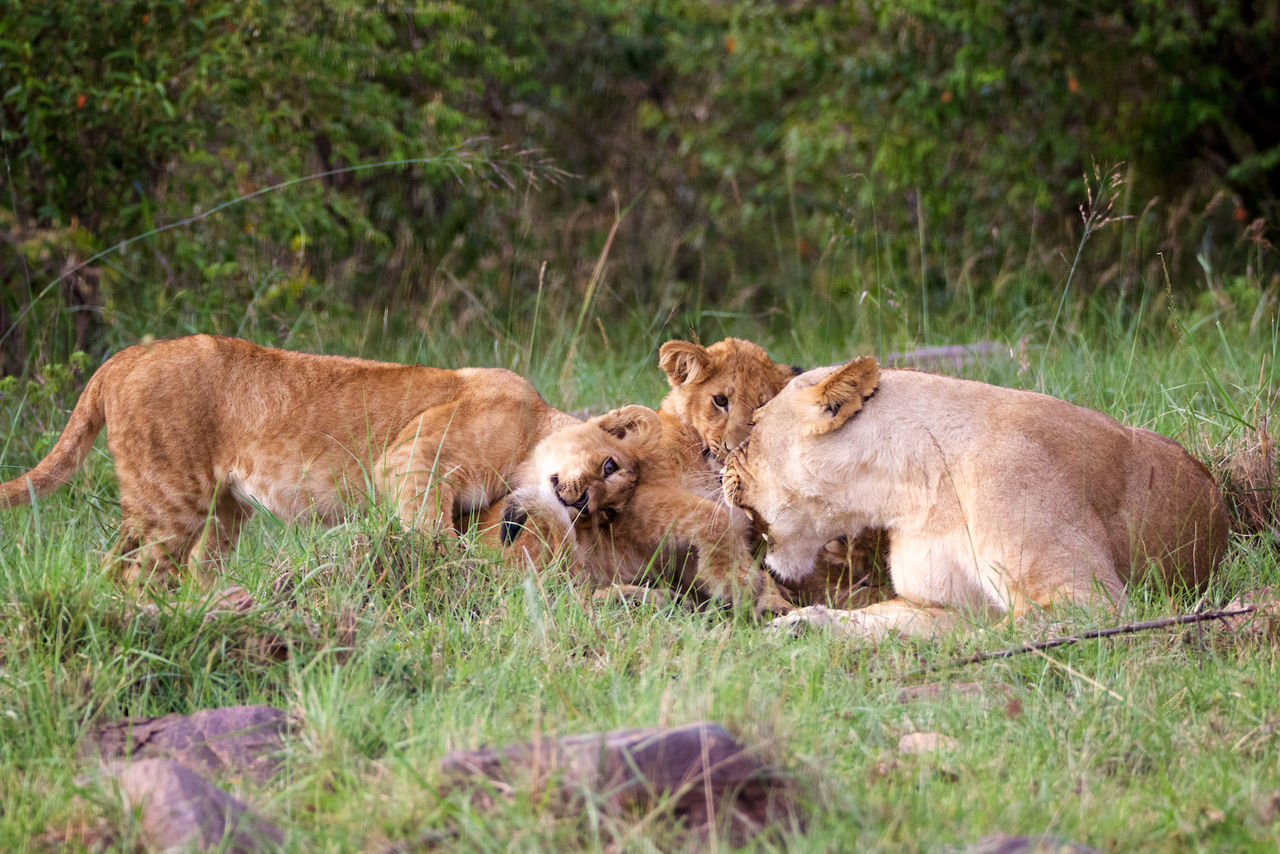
<point>159,535</point>
<point>415,474</point>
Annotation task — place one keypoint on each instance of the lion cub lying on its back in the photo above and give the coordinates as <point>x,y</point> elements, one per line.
<point>627,490</point>
<point>205,429</point>
<point>996,500</point>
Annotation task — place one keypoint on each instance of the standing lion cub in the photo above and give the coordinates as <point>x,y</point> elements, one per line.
<point>995,500</point>
<point>206,429</point>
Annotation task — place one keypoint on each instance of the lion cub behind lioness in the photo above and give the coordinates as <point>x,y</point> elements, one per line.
<point>996,500</point>
<point>627,491</point>
<point>206,429</point>
<point>715,391</point>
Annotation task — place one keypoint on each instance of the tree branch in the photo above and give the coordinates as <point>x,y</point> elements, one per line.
<point>1127,628</point>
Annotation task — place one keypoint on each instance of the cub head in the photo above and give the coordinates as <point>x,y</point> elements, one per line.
<point>771,476</point>
<point>593,468</point>
<point>715,389</point>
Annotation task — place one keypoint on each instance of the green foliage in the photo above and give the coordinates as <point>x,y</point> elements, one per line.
<point>99,97</point>
<point>912,153</point>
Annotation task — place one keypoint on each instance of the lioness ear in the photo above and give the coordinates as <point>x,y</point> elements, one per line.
<point>630,423</point>
<point>839,396</point>
<point>683,361</point>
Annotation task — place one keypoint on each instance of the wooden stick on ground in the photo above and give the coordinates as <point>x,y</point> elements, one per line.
<point>1127,628</point>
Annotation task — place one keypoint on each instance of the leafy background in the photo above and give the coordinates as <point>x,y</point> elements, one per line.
<point>746,153</point>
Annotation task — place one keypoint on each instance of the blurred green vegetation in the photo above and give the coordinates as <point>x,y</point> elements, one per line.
<point>748,154</point>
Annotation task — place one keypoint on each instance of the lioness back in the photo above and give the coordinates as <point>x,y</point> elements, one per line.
<point>204,429</point>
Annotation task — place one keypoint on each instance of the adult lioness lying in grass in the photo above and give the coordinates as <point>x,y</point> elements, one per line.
<point>995,500</point>
<point>627,491</point>
<point>204,429</point>
<point>714,391</point>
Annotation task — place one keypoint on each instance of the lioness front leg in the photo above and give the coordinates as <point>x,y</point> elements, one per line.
<point>893,617</point>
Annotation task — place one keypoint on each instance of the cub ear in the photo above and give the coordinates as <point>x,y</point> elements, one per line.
<point>839,396</point>
<point>683,361</point>
<point>630,423</point>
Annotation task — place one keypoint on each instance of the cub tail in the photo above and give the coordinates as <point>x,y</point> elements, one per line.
<point>87,420</point>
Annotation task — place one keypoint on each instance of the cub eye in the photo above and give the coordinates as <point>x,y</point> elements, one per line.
<point>720,401</point>
<point>609,467</point>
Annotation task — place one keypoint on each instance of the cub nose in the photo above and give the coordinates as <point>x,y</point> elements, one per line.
<point>579,503</point>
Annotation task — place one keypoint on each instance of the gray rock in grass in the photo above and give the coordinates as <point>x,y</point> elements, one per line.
<point>1000,843</point>
<point>231,741</point>
<point>182,811</point>
<point>699,772</point>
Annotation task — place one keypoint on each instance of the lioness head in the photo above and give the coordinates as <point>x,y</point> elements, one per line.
<point>767,474</point>
<point>593,468</point>
<point>715,389</point>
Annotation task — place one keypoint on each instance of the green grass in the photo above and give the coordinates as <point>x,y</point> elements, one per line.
<point>1158,741</point>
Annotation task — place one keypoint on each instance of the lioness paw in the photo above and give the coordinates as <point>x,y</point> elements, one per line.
<point>800,620</point>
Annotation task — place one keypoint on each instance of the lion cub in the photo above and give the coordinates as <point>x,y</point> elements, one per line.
<point>996,500</point>
<point>627,490</point>
<point>715,391</point>
<point>206,429</point>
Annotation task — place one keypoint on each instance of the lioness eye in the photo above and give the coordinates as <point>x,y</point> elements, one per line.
<point>721,401</point>
<point>609,467</point>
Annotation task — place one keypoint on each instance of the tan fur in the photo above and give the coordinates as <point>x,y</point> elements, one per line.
<point>628,489</point>
<point>995,500</point>
<point>204,429</point>
<point>714,391</point>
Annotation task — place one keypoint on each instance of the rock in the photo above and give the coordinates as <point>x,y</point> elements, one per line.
<point>180,811</point>
<point>708,776</point>
<point>999,843</point>
<point>234,740</point>
<point>959,356</point>
<point>915,743</point>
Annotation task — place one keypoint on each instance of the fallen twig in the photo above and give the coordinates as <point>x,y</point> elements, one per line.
<point>1127,628</point>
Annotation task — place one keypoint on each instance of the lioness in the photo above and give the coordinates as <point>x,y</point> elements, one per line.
<point>714,391</point>
<point>205,429</point>
<point>627,489</point>
<point>996,500</point>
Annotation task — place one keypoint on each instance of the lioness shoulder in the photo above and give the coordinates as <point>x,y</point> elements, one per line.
<point>204,429</point>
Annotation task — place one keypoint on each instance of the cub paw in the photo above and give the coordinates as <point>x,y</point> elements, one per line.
<point>513,518</point>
